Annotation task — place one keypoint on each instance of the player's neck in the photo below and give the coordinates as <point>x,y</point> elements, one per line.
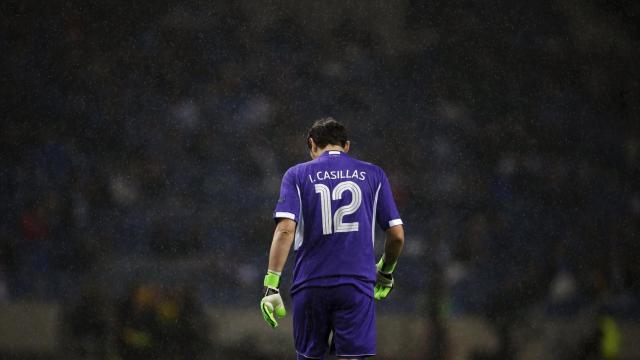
<point>316,152</point>
<point>331,147</point>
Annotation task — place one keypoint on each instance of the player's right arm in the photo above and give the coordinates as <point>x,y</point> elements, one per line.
<point>271,304</point>
<point>286,215</point>
<point>282,239</point>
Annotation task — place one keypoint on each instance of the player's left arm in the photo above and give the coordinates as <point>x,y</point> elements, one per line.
<point>393,243</point>
<point>388,218</point>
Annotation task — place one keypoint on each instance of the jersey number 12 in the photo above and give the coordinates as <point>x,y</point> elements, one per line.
<point>335,221</point>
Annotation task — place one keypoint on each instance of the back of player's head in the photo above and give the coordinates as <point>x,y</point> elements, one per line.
<point>327,131</point>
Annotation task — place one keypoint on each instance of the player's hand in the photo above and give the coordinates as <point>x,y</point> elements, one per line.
<point>384,280</point>
<point>271,304</point>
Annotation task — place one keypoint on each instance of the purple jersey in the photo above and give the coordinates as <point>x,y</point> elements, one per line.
<point>334,199</point>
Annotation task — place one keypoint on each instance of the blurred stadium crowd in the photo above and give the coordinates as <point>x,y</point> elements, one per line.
<point>146,143</point>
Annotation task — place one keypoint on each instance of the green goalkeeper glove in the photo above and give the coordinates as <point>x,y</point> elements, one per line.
<point>384,281</point>
<point>271,304</point>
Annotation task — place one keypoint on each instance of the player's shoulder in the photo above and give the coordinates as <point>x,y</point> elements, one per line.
<point>302,165</point>
<point>297,169</point>
<point>373,168</point>
<point>364,163</point>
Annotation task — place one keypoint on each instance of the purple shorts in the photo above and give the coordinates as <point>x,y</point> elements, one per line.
<point>343,310</point>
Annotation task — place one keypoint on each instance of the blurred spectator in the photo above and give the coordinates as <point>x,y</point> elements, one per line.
<point>137,331</point>
<point>88,325</point>
<point>162,323</point>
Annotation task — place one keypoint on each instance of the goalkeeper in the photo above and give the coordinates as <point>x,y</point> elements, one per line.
<point>327,209</point>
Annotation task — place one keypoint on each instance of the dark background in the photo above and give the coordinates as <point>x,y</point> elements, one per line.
<point>142,146</point>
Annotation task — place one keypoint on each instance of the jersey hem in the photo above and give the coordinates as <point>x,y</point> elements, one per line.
<point>364,286</point>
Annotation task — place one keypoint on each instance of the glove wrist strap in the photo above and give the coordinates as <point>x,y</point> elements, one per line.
<point>384,267</point>
<point>272,279</point>
<point>270,291</point>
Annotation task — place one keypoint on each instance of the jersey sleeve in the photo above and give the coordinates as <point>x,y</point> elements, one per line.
<point>288,205</point>
<point>387,214</point>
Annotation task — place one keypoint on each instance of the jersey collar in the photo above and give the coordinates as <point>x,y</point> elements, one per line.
<point>332,153</point>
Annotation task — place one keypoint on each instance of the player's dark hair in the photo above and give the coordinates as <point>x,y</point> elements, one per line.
<point>327,131</point>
